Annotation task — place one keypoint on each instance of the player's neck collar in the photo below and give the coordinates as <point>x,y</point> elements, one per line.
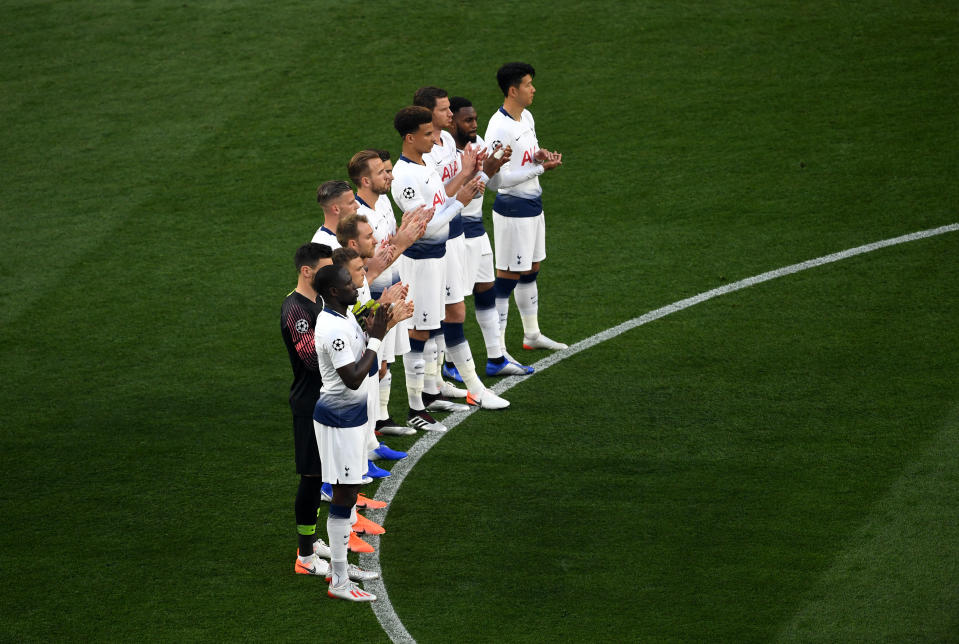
<point>303,293</point>
<point>362,202</point>
<point>507,114</point>
<point>403,157</point>
<point>336,313</point>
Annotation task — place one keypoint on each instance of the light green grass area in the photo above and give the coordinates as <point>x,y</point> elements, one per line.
<point>776,463</point>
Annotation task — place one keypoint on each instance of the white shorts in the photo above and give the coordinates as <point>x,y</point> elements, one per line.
<point>342,452</point>
<point>426,278</point>
<point>520,241</point>
<point>456,288</point>
<point>479,260</point>
<point>396,342</point>
<point>372,409</point>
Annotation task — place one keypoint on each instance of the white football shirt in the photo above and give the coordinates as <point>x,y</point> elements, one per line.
<point>520,176</point>
<point>383,221</point>
<point>417,184</point>
<point>324,235</point>
<point>444,157</point>
<point>339,342</point>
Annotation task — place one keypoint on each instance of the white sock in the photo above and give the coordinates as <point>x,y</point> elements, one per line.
<point>430,375</point>
<point>502,312</point>
<point>372,442</point>
<point>385,383</point>
<point>488,321</point>
<point>527,301</point>
<point>338,530</point>
<point>440,341</point>
<point>463,360</point>
<point>414,366</point>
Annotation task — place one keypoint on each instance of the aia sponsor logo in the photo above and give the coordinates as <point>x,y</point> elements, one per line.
<point>450,170</point>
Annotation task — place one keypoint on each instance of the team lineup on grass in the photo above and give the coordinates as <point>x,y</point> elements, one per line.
<point>369,291</point>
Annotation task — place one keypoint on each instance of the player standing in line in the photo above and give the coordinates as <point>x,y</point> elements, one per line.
<point>444,159</point>
<point>368,174</point>
<point>357,245</point>
<point>372,177</point>
<point>400,310</point>
<point>297,322</point>
<point>422,265</point>
<point>340,416</point>
<point>519,226</point>
<point>337,200</point>
<point>479,253</point>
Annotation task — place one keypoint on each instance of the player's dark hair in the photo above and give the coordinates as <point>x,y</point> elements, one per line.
<point>511,75</point>
<point>458,102</point>
<point>344,255</point>
<point>426,96</point>
<point>384,154</point>
<point>359,165</point>
<point>309,254</point>
<point>326,277</point>
<point>409,119</point>
<point>348,228</point>
<point>329,191</point>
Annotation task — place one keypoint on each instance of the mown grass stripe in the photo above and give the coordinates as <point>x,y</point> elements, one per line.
<point>883,584</point>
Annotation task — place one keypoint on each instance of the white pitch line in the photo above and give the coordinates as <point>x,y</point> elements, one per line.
<point>382,607</point>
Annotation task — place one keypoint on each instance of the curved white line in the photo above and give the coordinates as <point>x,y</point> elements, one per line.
<point>382,607</point>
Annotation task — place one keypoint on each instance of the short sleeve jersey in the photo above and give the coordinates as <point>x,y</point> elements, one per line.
<point>339,342</point>
<point>517,183</point>
<point>297,324</point>
<point>416,184</point>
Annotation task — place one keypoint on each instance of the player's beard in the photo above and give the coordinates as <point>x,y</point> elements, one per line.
<point>380,189</point>
<point>462,138</point>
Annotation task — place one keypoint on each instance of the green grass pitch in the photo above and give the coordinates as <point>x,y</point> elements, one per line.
<point>778,464</point>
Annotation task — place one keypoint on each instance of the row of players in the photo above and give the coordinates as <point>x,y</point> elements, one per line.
<point>403,288</point>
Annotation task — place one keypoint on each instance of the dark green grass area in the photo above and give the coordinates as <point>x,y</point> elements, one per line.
<point>699,477</point>
<point>159,163</point>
